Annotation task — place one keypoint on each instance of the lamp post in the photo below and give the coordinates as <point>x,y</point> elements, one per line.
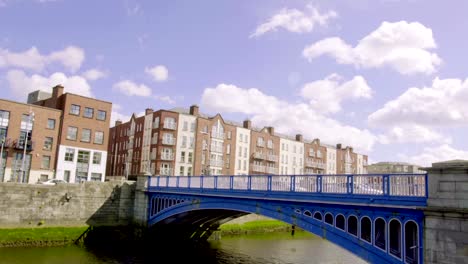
<point>1,156</point>
<point>30,120</point>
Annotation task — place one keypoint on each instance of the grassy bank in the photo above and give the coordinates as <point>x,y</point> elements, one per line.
<point>43,236</point>
<point>258,226</point>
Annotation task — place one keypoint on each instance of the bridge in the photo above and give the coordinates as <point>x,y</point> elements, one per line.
<point>388,218</point>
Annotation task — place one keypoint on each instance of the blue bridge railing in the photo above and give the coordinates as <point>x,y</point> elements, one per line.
<point>398,189</point>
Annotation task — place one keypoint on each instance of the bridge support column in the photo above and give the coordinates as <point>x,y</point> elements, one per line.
<point>446,216</point>
<point>140,214</point>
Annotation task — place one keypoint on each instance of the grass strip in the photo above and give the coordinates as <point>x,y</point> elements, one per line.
<point>41,234</point>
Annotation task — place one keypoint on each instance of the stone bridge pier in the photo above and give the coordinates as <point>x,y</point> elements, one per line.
<point>446,214</point>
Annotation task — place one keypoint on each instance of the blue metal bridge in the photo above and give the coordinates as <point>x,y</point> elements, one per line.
<point>377,217</point>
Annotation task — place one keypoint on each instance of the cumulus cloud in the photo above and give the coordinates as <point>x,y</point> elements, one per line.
<point>266,110</point>
<point>159,73</point>
<point>165,98</point>
<point>327,95</point>
<point>94,74</point>
<point>130,88</point>
<point>442,104</point>
<point>294,20</point>
<point>400,45</point>
<point>22,84</point>
<point>71,57</point>
<point>412,134</point>
<point>435,154</point>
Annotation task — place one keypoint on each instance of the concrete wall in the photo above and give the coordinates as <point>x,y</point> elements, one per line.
<point>88,203</point>
<point>446,216</point>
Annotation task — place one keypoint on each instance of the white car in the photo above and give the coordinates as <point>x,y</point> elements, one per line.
<point>52,182</point>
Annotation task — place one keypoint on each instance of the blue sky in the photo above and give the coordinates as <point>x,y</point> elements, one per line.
<point>388,77</point>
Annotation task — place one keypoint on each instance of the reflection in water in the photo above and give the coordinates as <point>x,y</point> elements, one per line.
<point>262,249</point>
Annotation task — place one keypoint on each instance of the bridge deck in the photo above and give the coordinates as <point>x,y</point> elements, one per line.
<point>407,190</point>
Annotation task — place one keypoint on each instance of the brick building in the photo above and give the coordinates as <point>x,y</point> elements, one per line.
<point>65,135</point>
<point>186,142</point>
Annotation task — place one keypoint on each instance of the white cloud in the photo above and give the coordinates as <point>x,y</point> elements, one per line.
<point>287,118</point>
<point>159,73</point>
<point>117,115</point>
<point>412,134</point>
<point>327,95</point>
<point>71,57</point>
<point>401,45</point>
<point>435,154</point>
<point>21,84</point>
<point>132,89</point>
<point>166,99</point>
<point>295,21</point>
<point>94,74</point>
<point>442,104</point>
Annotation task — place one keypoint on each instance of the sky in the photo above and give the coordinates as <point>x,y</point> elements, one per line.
<point>388,77</point>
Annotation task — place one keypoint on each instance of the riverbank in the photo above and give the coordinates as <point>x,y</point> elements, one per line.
<point>40,236</point>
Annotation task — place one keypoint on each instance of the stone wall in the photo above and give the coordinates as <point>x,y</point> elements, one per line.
<point>446,215</point>
<point>88,203</point>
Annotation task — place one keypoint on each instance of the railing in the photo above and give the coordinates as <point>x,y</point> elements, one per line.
<point>384,185</point>
<point>258,155</point>
<point>271,157</point>
<point>166,171</point>
<point>170,125</point>
<point>258,168</point>
<point>168,141</point>
<point>271,170</point>
<point>314,164</point>
<point>167,156</point>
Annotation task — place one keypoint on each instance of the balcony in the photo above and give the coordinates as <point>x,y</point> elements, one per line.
<point>217,135</point>
<point>167,156</point>
<point>168,141</point>
<point>273,158</point>
<point>216,148</point>
<point>166,171</point>
<point>261,144</point>
<point>272,170</point>
<point>19,144</point>
<point>314,164</point>
<point>258,155</point>
<point>216,163</point>
<point>170,125</point>
<point>258,168</point>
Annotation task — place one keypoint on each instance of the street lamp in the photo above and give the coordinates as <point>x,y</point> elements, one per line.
<point>1,156</point>
<point>30,121</point>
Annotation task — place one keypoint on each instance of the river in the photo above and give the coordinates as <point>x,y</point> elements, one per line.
<point>276,248</point>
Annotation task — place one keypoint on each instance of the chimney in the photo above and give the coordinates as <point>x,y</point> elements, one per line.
<point>338,146</point>
<point>118,122</point>
<point>248,124</point>
<point>316,141</point>
<point>57,91</point>
<point>350,149</point>
<point>271,130</point>
<point>194,110</point>
<point>299,138</point>
<point>148,111</point>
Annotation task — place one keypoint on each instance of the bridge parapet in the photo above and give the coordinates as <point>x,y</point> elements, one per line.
<point>378,189</point>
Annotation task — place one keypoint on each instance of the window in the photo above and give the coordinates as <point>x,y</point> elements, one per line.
<point>88,112</point>
<point>86,135</point>
<point>75,109</point>
<point>66,176</point>
<point>185,128</point>
<point>27,122</point>
<point>241,137</point>
<point>245,152</point>
<point>101,115</point>
<point>72,133</point>
<point>51,123</point>
<point>48,141</point>
<point>184,141</point>
<point>229,135</point>
<point>270,144</point>
<point>181,171</point>
<point>83,156</point>
<point>156,122</point>
<point>190,157</point>
<point>97,158</point>
<point>4,118</point>
<point>43,177</point>
<point>98,137</point>
<point>239,165</point>
<point>189,171</point>
<point>69,154</point>
<point>192,127</point>
<point>45,162</point>
<point>182,157</point>
<point>228,149</point>
<point>192,142</point>
<point>96,176</point>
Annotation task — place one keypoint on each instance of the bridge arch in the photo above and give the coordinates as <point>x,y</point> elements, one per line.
<point>349,227</point>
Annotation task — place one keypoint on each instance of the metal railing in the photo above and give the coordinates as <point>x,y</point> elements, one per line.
<point>402,185</point>
<point>170,125</point>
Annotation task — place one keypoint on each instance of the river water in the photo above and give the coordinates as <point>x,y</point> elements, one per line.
<point>303,248</point>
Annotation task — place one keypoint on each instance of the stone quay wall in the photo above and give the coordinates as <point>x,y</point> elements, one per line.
<point>89,203</point>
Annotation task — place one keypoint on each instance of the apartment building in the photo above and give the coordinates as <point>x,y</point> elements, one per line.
<point>61,135</point>
<point>187,142</point>
<point>394,167</point>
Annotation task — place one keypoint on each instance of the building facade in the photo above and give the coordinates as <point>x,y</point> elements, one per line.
<point>63,136</point>
<point>394,167</point>
<point>186,142</point>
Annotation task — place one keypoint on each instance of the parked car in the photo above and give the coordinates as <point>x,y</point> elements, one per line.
<point>52,182</point>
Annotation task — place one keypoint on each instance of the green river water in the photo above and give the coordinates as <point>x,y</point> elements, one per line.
<point>276,248</point>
